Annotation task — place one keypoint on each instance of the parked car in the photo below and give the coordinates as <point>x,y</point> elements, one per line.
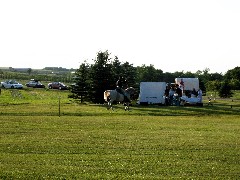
<point>11,84</point>
<point>35,84</point>
<point>57,85</point>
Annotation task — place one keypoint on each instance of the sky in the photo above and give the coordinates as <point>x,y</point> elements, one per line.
<point>171,35</point>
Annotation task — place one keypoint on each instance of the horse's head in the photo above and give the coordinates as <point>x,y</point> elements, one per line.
<point>106,95</point>
<point>130,91</point>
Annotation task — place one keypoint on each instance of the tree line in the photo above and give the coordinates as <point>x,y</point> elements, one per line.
<point>91,80</point>
<point>41,75</point>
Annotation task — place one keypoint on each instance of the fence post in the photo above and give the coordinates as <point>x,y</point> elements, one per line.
<point>59,107</point>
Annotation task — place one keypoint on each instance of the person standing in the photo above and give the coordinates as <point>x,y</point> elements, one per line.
<point>179,95</point>
<point>182,85</point>
<point>199,95</point>
<point>166,94</point>
<point>171,94</point>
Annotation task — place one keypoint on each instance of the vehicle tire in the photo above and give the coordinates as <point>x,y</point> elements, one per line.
<point>50,87</point>
<point>3,86</point>
<point>12,87</point>
<point>60,88</point>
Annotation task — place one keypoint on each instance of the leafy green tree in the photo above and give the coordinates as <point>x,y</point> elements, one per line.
<point>178,74</point>
<point>215,76</point>
<point>213,86</point>
<point>129,72</point>
<point>1,73</point>
<point>149,73</point>
<point>233,75</point>
<point>203,76</point>
<point>235,84</point>
<point>168,77</point>
<point>189,74</point>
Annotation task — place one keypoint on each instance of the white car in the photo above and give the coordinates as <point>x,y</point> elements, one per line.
<point>11,84</point>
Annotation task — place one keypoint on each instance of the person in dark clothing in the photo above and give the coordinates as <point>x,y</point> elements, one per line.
<point>194,92</point>
<point>179,93</point>
<point>182,85</point>
<point>166,94</point>
<point>120,84</point>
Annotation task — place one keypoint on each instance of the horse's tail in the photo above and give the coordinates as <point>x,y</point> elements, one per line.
<point>106,95</point>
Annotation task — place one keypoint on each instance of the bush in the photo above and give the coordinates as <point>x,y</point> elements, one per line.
<point>225,90</point>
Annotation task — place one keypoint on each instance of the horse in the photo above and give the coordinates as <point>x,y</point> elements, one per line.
<point>113,95</point>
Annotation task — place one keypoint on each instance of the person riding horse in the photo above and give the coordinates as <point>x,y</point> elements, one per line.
<point>120,84</point>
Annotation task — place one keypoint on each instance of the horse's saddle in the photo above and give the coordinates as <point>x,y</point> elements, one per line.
<point>119,90</point>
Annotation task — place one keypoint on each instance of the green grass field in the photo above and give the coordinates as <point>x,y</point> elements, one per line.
<point>90,142</point>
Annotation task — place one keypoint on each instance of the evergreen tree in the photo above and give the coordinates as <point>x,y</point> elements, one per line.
<point>99,75</point>
<point>80,88</point>
<point>116,71</point>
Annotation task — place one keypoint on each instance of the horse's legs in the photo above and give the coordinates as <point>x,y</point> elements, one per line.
<point>110,105</point>
<point>127,106</point>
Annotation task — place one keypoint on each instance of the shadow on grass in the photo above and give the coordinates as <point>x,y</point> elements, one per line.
<point>138,110</point>
<point>220,109</point>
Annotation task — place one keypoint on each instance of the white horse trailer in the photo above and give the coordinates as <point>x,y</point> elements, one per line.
<point>152,93</point>
<point>188,83</point>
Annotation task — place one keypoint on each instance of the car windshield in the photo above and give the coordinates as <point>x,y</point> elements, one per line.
<point>12,82</point>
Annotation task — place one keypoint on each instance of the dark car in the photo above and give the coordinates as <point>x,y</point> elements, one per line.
<point>57,85</point>
<point>35,84</point>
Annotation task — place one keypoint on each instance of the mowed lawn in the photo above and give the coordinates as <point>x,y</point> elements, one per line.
<point>90,142</point>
